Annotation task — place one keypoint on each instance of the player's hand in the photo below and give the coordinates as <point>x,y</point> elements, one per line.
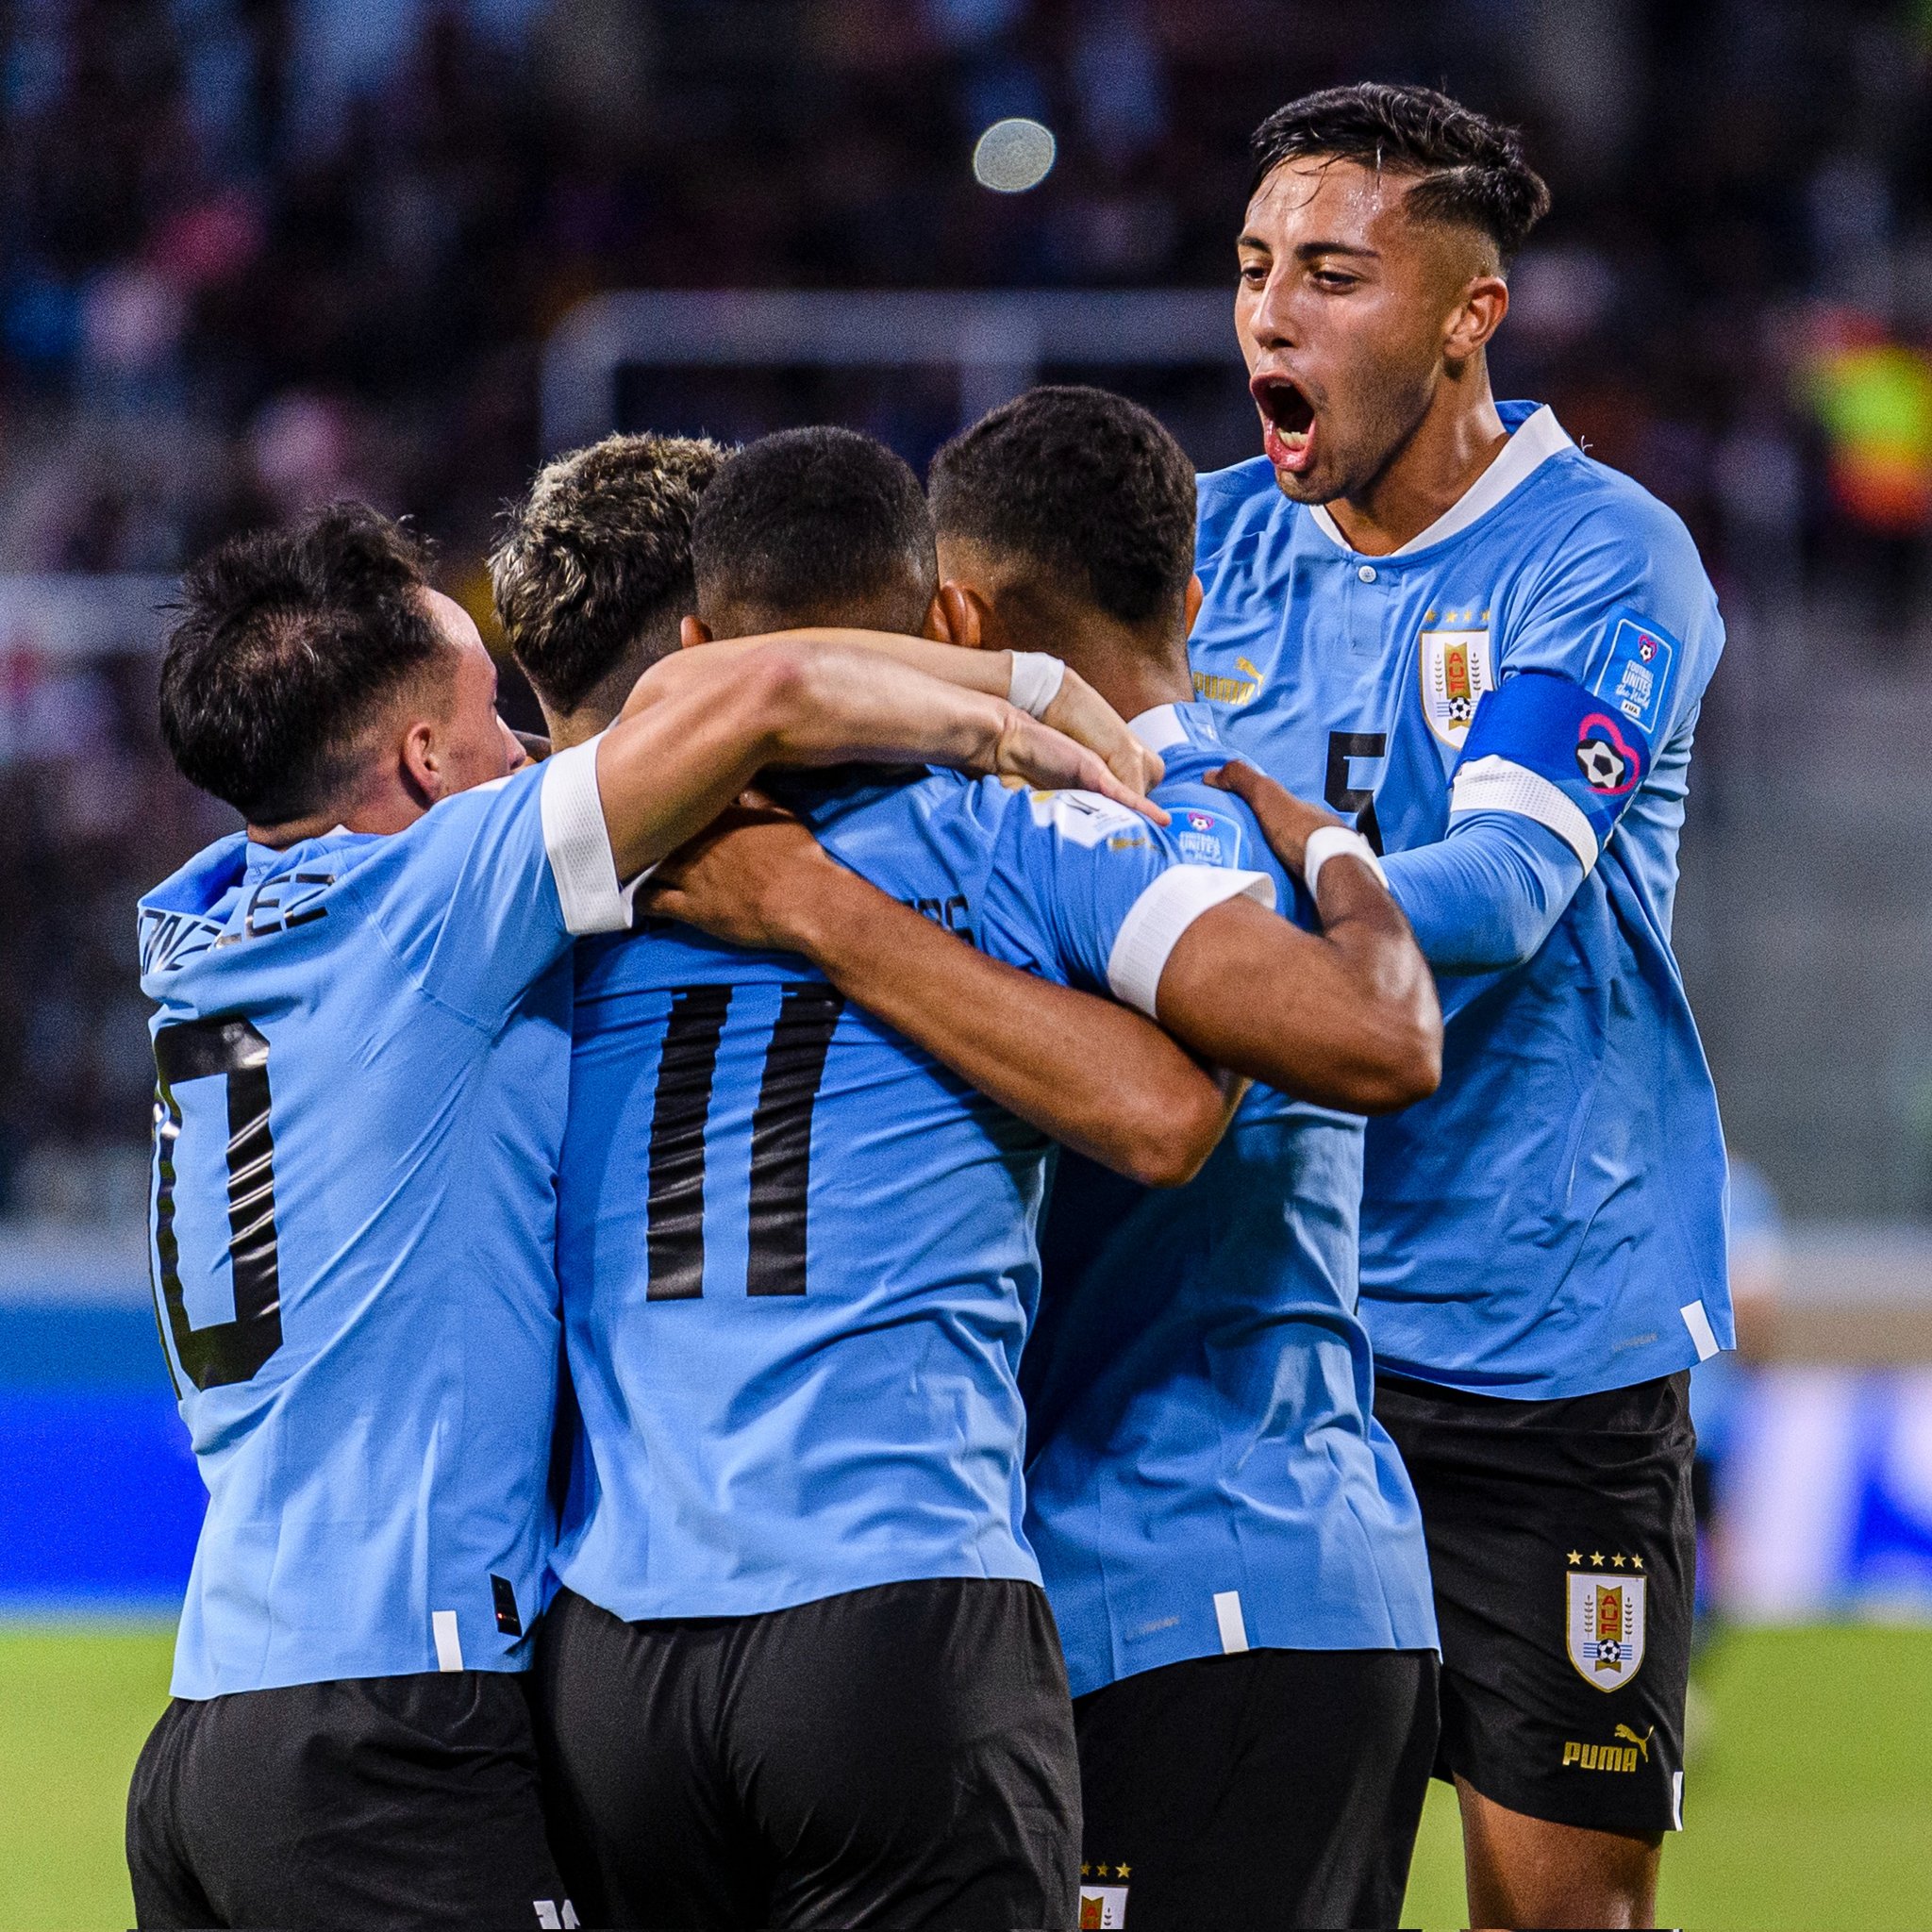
<point>1087,719</point>
<point>1037,754</point>
<point>750,879</point>
<point>1285,821</point>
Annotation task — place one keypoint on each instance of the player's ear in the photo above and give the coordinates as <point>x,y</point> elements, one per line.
<point>1485,302</point>
<point>418,757</point>
<point>967,618</point>
<point>1190,605</point>
<point>692,632</point>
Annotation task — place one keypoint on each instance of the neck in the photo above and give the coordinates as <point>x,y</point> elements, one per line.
<point>1459,436</point>
<point>1130,673</point>
<point>596,708</point>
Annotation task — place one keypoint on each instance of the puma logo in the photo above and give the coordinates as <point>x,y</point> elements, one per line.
<point>1642,1744</point>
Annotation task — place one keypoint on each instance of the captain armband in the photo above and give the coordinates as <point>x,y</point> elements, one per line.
<point>1544,748</point>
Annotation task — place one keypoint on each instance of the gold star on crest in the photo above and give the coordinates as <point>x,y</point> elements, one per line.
<point>1120,1871</point>
<point>1637,1562</point>
<point>1596,1557</point>
<point>1617,1562</point>
<point>1576,1555</point>
<point>1086,1871</point>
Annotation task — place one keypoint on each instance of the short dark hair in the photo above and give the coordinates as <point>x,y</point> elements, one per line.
<point>288,643</point>
<point>594,566</point>
<point>1472,169</point>
<point>1087,485</point>
<point>813,525</point>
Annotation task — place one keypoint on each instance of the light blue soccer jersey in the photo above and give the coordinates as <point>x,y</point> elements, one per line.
<point>362,1048</point>
<point>1203,1470</point>
<point>797,1254</point>
<point>1551,1223</point>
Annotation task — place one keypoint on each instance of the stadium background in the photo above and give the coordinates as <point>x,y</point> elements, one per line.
<point>257,253</point>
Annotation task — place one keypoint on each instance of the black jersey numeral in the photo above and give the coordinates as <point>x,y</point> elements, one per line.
<point>1343,796</point>
<point>675,1210</point>
<point>225,1351</point>
<point>780,1140</point>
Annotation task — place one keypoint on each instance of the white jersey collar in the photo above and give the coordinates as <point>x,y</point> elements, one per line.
<point>1530,445</point>
<point>1159,729</point>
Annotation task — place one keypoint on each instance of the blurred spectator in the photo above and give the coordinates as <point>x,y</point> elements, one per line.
<point>255,252</point>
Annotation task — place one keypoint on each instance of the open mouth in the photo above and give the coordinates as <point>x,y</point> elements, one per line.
<point>1288,421</point>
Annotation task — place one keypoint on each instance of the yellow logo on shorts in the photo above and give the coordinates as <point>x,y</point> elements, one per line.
<point>1610,1756</point>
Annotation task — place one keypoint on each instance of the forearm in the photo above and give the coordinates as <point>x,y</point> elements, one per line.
<point>1346,1018</point>
<point>1094,1075</point>
<point>1486,897</point>
<point>697,727</point>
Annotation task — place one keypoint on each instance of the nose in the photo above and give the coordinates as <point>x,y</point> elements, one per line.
<point>1270,320</point>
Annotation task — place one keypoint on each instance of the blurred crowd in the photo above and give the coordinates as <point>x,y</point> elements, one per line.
<point>257,253</point>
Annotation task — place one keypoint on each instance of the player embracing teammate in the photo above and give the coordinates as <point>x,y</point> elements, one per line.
<point>773,1152</point>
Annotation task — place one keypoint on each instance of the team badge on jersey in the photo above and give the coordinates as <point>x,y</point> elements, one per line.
<point>1102,1905</point>
<point>1456,672</point>
<point>1605,1626</point>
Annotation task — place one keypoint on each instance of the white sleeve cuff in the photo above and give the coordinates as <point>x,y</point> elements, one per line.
<point>1494,784</point>
<point>1159,916</point>
<point>578,843</point>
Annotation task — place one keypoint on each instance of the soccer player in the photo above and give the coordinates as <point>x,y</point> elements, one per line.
<point>362,1045</point>
<point>802,1670</point>
<point>1231,1547</point>
<point>1442,617</point>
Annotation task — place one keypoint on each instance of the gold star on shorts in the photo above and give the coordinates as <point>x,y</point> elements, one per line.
<point>1596,1557</point>
<point>1617,1562</point>
<point>1576,1555</point>
<point>1636,1561</point>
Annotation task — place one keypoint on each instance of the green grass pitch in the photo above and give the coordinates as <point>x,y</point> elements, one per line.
<point>1808,1807</point>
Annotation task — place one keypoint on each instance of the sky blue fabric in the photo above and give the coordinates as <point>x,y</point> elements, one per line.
<point>1540,1226</point>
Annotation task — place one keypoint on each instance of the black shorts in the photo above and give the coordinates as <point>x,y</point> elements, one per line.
<point>1263,1791</point>
<point>892,1757</point>
<point>373,1802</point>
<point>1565,1557</point>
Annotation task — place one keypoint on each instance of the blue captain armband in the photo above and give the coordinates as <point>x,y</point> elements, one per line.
<point>1545,748</point>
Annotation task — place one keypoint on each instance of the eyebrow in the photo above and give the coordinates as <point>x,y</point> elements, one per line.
<point>1308,251</point>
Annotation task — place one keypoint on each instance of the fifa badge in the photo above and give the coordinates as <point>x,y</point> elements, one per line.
<point>1605,1626</point>
<point>1455,673</point>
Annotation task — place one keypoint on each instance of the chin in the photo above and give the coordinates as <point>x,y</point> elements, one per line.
<point>1300,485</point>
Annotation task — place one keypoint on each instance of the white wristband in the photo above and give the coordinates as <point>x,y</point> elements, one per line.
<point>1036,681</point>
<point>1333,841</point>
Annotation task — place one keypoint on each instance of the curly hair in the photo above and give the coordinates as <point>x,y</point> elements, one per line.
<point>1472,169</point>
<point>593,568</point>
<point>288,644</point>
<point>1083,483</point>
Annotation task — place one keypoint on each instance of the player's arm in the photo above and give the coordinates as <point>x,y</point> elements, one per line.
<point>1346,1017</point>
<point>1046,686</point>
<point>1593,686</point>
<point>700,724</point>
<point>1094,1075</point>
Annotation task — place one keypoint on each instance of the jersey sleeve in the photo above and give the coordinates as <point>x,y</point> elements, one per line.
<point>487,891</point>
<point>1092,895</point>
<point>1607,656</point>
